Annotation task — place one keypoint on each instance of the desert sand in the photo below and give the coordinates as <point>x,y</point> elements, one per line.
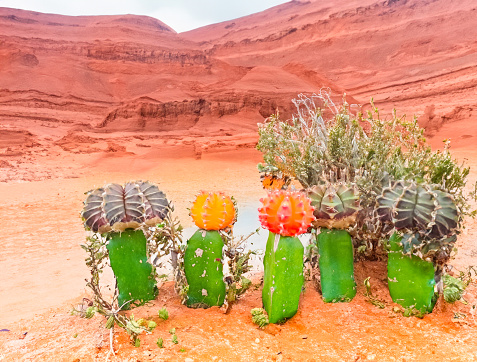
<point>89,100</point>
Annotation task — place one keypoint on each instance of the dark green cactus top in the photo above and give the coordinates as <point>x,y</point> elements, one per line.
<point>426,216</point>
<point>421,208</point>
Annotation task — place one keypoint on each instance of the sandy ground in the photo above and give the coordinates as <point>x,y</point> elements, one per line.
<point>43,274</point>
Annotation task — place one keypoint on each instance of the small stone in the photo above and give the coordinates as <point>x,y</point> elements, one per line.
<point>188,360</point>
<point>257,340</point>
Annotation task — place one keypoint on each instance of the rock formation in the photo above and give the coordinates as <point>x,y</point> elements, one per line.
<point>61,75</point>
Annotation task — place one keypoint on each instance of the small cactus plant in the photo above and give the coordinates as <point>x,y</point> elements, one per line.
<point>336,206</point>
<point>423,221</point>
<point>203,267</point>
<point>285,214</point>
<point>119,212</point>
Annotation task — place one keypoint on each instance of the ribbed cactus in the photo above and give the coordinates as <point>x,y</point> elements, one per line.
<point>336,206</point>
<point>423,220</point>
<point>203,257</point>
<point>286,214</point>
<point>120,211</point>
<point>117,208</point>
<point>421,208</point>
<point>213,211</point>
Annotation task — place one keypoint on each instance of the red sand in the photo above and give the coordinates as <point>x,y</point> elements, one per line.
<point>90,100</point>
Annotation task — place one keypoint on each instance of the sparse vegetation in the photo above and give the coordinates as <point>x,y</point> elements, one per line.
<point>163,313</point>
<point>162,239</point>
<point>160,343</point>
<point>324,142</point>
<point>260,317</point>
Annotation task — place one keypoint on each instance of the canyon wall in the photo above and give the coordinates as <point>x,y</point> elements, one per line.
<point>101,77</point>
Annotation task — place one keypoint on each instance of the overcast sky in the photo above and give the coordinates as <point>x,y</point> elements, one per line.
<point>181,15</point>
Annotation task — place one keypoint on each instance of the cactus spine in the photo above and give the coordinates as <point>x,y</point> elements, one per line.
<point>120,212</point>
<point>336,207</point>
<point>285,214</point>
<point>203,257</point>
<point>423,221</point>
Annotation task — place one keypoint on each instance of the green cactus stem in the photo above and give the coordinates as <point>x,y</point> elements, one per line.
<point>336,265</point>
<point>283,277</point>
<point>134,275</point>
<point>410,279</point>
<point>204,270</point>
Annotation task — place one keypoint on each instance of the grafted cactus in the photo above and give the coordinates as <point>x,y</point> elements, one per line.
<point>203,257</point>
<point>336,207</point>
<point>286,214</point>
<point>424,220</point>
<point>120,211</point>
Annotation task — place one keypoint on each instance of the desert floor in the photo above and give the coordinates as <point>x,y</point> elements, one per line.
<point>43,275</point>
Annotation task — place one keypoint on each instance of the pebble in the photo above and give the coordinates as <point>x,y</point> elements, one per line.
<point>188,360</point>
<point>257,340</point>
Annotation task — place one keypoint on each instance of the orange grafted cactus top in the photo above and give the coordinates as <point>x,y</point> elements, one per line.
<point>288,213</point>
<point>213,211</point>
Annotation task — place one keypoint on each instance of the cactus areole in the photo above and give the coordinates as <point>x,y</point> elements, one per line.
<point>286,214</point>
<point>336,207</point>
<point>120,211</point>
<point>203,257</point>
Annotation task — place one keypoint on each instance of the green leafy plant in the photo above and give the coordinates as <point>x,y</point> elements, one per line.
<point>174,339</point>
<point>160,343</point>
<point>326,141</point>
<point>151,325</point>
<point>454,287</point>
<point>370,297</point>
<point>237,258</point>
<point>260,317</point>
<point>163,313</point>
